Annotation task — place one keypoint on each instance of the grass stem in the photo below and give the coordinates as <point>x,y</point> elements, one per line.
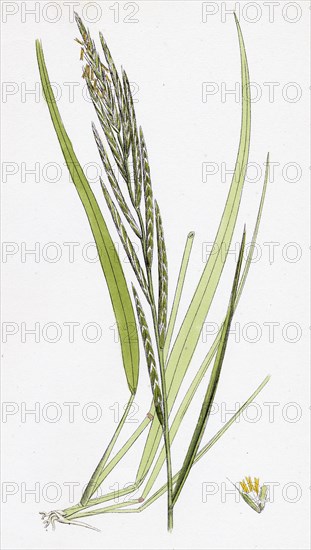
<point>90,488</point>
<point>166,430</point>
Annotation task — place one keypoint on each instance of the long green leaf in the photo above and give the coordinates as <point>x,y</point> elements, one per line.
<point>189,333</point>
<point>109,259</point>
<point>208,358</point>
<point>178,292</point>
<point>213,383</point>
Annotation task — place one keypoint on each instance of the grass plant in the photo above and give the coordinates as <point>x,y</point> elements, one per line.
<point>142,307</point>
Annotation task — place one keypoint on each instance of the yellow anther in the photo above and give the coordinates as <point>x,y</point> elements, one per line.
<point>249,482</point>
<point>244,486</point>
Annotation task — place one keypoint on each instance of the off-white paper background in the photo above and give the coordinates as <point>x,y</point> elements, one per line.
<point>169,53</point>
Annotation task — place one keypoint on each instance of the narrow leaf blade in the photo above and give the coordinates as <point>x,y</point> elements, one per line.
<point>190,330</point>
<point>178,292</point>
<point>109,259</point>
<point>212,386</point>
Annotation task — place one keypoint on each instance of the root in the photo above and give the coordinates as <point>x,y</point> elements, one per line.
<point>50,518</point>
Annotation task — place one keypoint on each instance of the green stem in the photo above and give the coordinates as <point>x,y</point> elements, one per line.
<point>115,495</point>
<point>112,508</point>
<point>93,481</point>
<point>167,450</point>
<point>166,430</point>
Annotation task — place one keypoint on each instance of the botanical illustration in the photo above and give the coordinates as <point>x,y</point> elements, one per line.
<point>146,306</point>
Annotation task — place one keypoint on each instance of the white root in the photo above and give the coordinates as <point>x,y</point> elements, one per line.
<point>50,518</point>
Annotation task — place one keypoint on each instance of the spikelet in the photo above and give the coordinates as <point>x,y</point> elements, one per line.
<point>163,277</point>
<point>135,145</point>
<point>150,357</point>
<point>149,212</point>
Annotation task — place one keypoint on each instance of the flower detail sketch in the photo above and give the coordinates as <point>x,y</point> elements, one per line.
<point>145,314</point>
<point>254,494</point>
